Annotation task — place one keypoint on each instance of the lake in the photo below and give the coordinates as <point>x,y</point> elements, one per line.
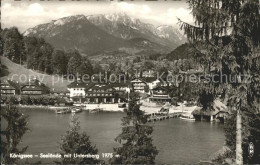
<point>178,141</point>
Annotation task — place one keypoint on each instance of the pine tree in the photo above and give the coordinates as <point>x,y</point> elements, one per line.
<point>75,61</point>
<point>229,36</point>
<point>59,62</point>
<point>136,140</point>
<point>13,45</point>
<point>85,67</point>
<point>74,142</point>
<point>46,51</point>
<point>1,41</point>
<point>12,135</point>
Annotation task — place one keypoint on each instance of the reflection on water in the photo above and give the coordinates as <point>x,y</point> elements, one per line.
<point>178,141</point>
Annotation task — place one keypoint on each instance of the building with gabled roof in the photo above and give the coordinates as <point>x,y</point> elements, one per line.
<point>122,88</point>
<point>100,93</point>
<point>77,90</point>
<point>139,85</point>
<point>97,92</point>
<point>160,94</point>
<point>31,89</point>
<point>35,87</point>
<point>10,87</point>
<point>152,82</point>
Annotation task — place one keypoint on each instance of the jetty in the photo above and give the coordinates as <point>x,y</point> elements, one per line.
<point>162,116</point>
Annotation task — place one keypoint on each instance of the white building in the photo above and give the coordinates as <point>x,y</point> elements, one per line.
<point>77,90</point>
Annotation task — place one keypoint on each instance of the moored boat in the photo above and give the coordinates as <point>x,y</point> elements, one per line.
<point>96,110</point>
<point>63,111</point>
<point>121,105</point>
<point>76,110</point>
<point>189,117</point>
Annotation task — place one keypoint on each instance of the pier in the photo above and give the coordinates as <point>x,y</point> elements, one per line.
<point>162,116</point>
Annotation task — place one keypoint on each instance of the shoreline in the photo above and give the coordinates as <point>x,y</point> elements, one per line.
<point>37,107</point>
<point>54,108</point>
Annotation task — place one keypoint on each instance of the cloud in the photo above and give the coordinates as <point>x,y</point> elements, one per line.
<point>35,9</point>
<point>145,12</point>
<point>133,8</point>
<point>25,16</point>
<point>172,15</point>
<point>124,6</point>
<point>6,6</point>
<point>146,9</point>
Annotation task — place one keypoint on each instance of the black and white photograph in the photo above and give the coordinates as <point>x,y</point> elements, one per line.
<point>130,82</point>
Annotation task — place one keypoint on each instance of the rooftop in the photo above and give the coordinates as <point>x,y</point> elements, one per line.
<point>10,85</point>
<point>78,84</point>
<point>218,107</point>
<point>31,87</point>
<point>149,79</point>
<point>123,84</point>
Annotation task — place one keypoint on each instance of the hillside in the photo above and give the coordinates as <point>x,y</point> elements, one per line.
<point>78,33</point>
<point>19,73</point>
<point>185,51</point>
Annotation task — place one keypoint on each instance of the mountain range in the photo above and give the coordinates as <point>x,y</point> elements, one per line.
<point>96,34</point>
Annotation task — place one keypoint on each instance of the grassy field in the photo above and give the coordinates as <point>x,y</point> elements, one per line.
<point>19,73</point>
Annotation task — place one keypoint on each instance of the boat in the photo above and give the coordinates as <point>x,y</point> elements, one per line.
<point>121,105</point>
<point>76,110</point>
<point>96,110</point>
<point>63,111</point>
<point>189,117</point>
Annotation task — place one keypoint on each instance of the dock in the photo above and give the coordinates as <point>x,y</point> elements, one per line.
<point>162,116</point>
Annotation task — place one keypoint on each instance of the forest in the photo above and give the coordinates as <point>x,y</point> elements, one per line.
<point>37,54</point>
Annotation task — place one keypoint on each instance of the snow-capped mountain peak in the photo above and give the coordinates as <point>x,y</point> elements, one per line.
<point>116,28</point>
<point>168,31</point>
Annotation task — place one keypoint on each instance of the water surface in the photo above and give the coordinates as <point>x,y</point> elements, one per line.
<point>178,141</point>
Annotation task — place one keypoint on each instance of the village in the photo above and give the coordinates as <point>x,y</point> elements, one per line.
<point>158,98</point>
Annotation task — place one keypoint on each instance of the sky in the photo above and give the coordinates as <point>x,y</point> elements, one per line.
<point>27,14</point>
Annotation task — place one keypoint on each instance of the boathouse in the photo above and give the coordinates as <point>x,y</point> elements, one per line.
<point>218,111</point>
